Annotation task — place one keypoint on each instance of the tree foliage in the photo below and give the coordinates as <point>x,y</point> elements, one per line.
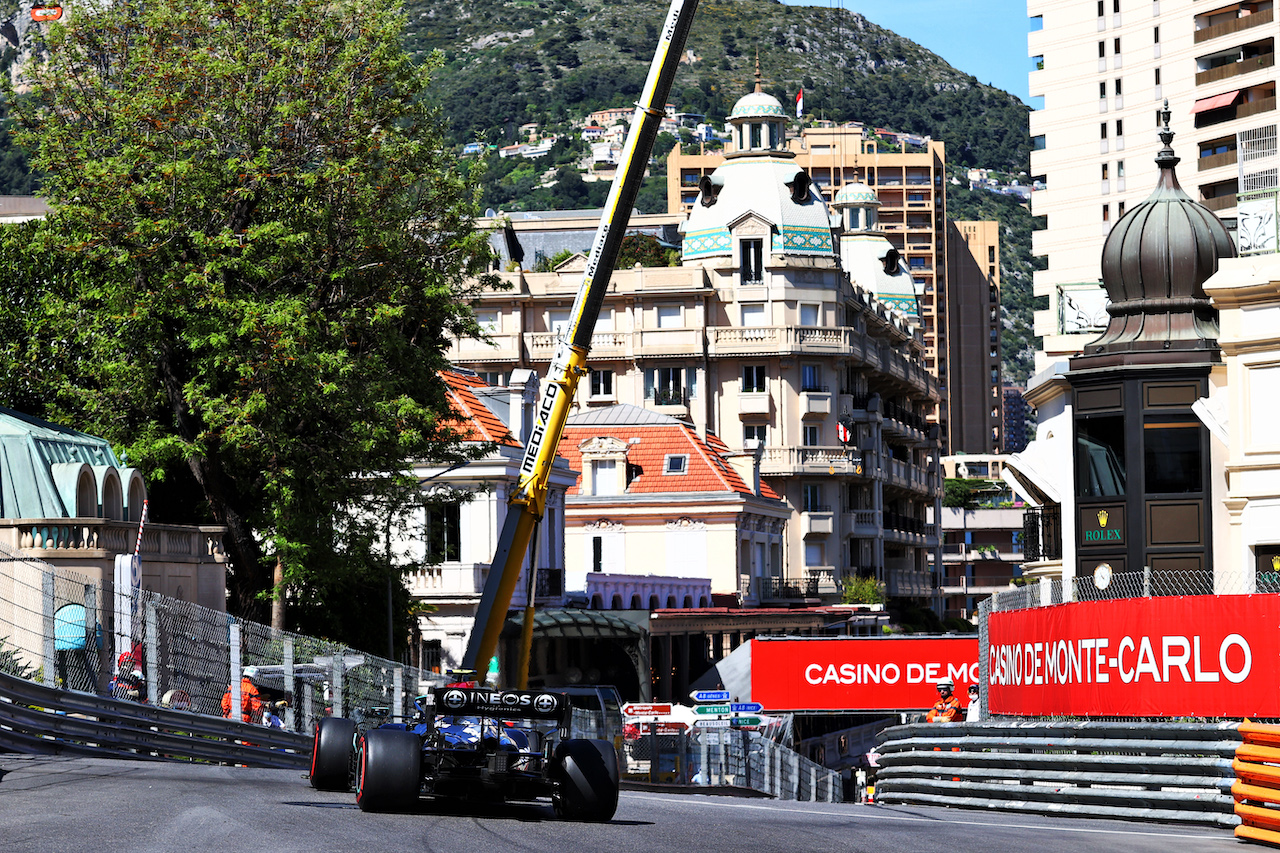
<point>258,247</point>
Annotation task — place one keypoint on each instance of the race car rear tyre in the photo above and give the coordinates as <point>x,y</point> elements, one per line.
<point>587,786</point>
<point>388,770</point>
<point>331,754</point>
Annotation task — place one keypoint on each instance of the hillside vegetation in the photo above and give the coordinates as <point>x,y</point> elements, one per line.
<point>508,62</point>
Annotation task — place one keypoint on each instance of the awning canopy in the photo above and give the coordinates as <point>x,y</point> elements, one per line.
<point>1226,99</point>
<point>581,624</point>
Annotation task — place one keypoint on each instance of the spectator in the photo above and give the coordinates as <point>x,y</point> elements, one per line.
<point>975,707</point>
<point>128,682</point>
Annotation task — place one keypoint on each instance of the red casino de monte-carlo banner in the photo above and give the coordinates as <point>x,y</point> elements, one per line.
<point>1201,656</point>
<point>859,674</point>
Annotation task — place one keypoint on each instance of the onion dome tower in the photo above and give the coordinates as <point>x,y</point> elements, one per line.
<point>867,255</point>
<point>758,209</point>
<point>1154,265</point>
<point>1143,483</point>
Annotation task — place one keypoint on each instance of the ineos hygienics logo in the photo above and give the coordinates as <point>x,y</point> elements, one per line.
<point>455,699</point>
<point>544,703</point>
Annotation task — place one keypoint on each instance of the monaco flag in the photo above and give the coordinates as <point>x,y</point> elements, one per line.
<point>800,103</point>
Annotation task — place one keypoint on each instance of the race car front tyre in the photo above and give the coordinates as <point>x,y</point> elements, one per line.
<point>587,783</point>
<point>388,770</point>
<point>331,754</point>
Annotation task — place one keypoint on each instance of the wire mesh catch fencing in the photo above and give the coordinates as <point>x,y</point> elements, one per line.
<point>60,629</point>
<point>727,757</point>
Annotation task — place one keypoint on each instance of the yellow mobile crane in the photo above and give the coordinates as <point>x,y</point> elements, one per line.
<point>528,500</point>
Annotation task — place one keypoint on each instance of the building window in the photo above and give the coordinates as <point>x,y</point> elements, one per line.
<point>601,384</point>
<point>813,554</point>
<point>1102,51</point>
<point>604,477</point>
<point>754,435</point>
<point>1119,127</point>
<point>670,317</point>
<point>1116,45</point>
<point>1105,171</point>
<point>1157,76</point>
<point>811,377</point>
<point>1120,169</point>
<point>1102,88</point>
<point>1156,36</point>
<point>812,495</point>
<point>1106,213</point>
<point>557,321</point>
<point>1119,210</point>
<point>432,655</point>
<point>809,314</point>
<point>753,378</point>
<point>496,378</point>
<point>1172,457</point>
<point>669,386</point>
<point>752,315</point>
<point>675,463</point>
<point>1100,9</point>
<point>1103,129</point>
<point>813,435</point>
<point>489,321</point>
<point>752,265</point>
<point>1119,88</point>
<point>597,553</point>
<point>444,532</point>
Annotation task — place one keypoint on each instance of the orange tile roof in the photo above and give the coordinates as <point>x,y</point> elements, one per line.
<point>648,446</point>
<point>476,421</point>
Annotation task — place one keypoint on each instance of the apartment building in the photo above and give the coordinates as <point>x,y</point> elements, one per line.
<point>761,339</point>
<point>911,191</point>
<point>1101,71</point>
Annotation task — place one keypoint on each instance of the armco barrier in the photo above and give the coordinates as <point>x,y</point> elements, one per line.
<point>1257,789</point>
<point>1179,772</point>
<point>36,719</point>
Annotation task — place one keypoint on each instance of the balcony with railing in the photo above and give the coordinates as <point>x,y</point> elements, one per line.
<point>817,520</point>
<point>782,461</point>
<point>1234,69</point>
<point>1235,25</point>
<point>1042,533</point>
<point>1213,161</point>
<point>863,523</point>
<point>784,589</point>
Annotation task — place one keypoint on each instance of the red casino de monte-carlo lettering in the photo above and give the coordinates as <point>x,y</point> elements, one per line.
<point>1176,656</point>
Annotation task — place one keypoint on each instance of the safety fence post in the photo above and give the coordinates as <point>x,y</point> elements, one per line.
<point>47,608</point>
<point>704,764</point>
<point>287,661</point>
<point>397,693</point>
<point>339,659</point>
<point>153,653</point>
<point>91,635</point>
<point>234,649</point>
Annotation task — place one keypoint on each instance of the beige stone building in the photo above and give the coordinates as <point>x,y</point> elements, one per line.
<point>763,340</point>
<point>955,267</point>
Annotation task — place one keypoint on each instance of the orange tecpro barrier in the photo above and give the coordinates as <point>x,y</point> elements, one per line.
<point>1257,786</point>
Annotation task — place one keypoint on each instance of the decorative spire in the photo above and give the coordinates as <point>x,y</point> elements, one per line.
<point>759,78</point>
<point>1165,157</point>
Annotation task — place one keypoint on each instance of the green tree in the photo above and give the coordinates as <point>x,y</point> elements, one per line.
<point>258,248</point>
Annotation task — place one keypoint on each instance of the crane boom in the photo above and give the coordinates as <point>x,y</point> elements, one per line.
<point>528,499</point>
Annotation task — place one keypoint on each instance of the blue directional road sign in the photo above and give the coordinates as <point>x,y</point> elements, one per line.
<point>710,695</point>
<point>746,708</point>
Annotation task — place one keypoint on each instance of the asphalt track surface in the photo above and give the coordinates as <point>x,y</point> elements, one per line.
<point>67,805</point>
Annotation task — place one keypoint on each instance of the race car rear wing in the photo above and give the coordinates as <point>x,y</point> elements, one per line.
<point>505,704</point>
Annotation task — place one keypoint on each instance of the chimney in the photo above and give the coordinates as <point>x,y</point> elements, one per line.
<point>523,387</point>
<point>747,465</point>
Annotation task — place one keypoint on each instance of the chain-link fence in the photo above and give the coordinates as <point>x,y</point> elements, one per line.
<point>60,629</point>
<point>1103,585</point>
<point>726,757</point>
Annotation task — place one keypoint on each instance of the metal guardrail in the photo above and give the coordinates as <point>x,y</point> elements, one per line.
<point>1178,772</point>
<point>35,719</point>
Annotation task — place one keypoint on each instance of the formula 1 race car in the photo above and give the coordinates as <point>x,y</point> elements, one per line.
<point>472,744</point>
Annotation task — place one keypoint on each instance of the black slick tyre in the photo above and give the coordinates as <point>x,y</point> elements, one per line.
<point>331,754</point>
<point>587,780</point>
<point>388,770</point>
